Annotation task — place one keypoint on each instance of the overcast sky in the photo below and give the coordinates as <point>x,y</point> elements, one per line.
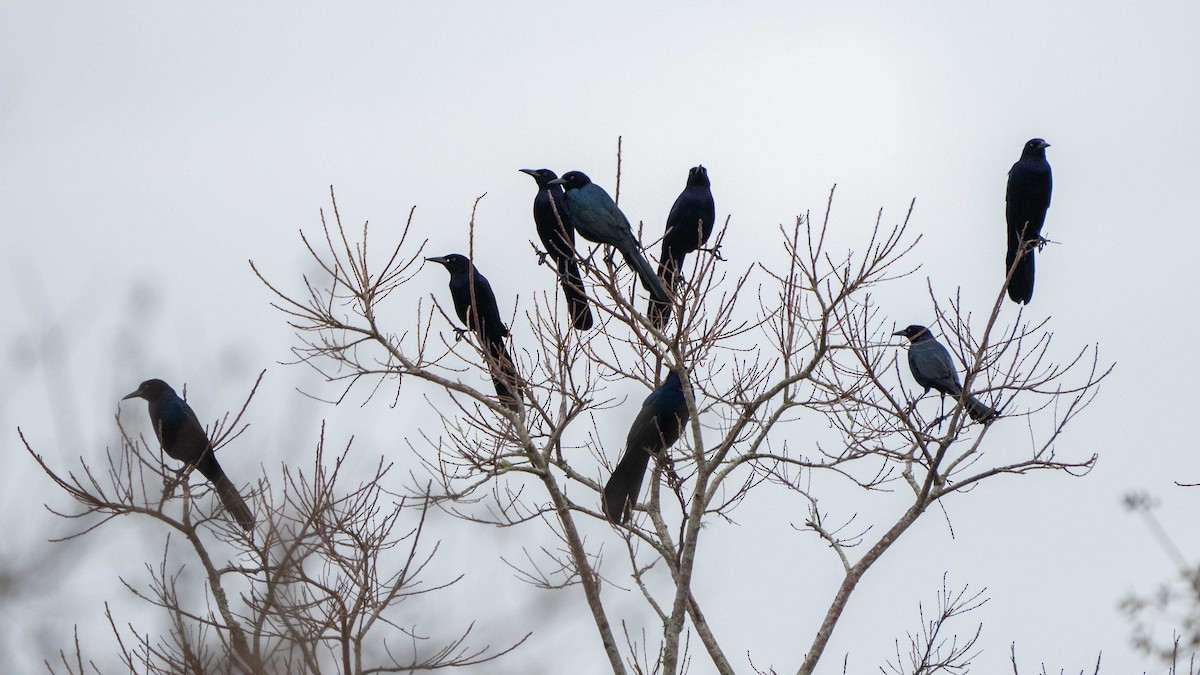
<point>148,150</point>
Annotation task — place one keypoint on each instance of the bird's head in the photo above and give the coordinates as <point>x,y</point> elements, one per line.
<point>572,180</point>
<point>453,262</point>
<point>913,332</point>
<point>542,176</point>
<point>698,177</point>
<point>149,390</point>
<point>1036,147</point>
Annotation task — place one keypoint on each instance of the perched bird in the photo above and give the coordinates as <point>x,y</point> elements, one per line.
<point>595,216</point>
<point>932,366</point>
<point>689,225</point>
<point>558,237</point>
<point>1028,197</point>
<point>656,428</point>
<point>475,304</point>
<point>182,437</point>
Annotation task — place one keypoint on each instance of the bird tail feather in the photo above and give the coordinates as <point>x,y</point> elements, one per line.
<point>668,273</point>
<point>1020,286</point>
<point>577,300</point>
<point>621,490</point>
<point>980,411</point>
<point>230,498</point>
<point>504,375</point>
<point>644,271</point>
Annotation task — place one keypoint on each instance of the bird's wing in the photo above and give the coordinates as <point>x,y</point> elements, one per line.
<point>659,422</point>
<point>489,309</point>
<point>933,362</point>
<point>644,433</point>
<point>689,223</point>
<point>158,432</point>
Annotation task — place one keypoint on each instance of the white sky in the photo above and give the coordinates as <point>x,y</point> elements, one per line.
<point>147,150</point>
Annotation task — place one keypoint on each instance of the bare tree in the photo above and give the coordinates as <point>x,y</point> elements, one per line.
<point>316,587</point>
<point>794,338</point>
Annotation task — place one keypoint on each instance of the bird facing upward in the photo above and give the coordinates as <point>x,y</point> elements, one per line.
<point>1026,201</point>
<point>689,225</point>
<point>182,437</point>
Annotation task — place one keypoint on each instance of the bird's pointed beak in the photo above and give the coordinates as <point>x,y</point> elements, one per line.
<point>1044,145</point>
<point>557,181</point>
<point>531,172</point>
<point>899,332</point>
<point>439,260</point>
<point>135,394</point>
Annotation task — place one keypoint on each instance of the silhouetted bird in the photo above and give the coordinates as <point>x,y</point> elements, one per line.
<point>182,437</point>
<point>595,216</point>
<point>558,237</point>
<point>1028,197</point>
<point>689,225</point>
<point>932,366</point>
<point>656,428</point>
<point>475,304</point>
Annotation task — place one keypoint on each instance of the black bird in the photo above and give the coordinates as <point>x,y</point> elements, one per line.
<point>1028,197</point>
<point>932,366</point>
<point>558,237</point>
<point>595,216</point>
<point>182,437</point>
<point>475,304</point>
<point>689,225</point>
<point>656,428</point>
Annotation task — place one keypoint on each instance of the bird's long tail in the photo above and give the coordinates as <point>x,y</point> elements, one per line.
<point>230,498</point>
<point>572,285</point>
<point>668,274</point>
<point>621,490</point>
<point>637,261</point>
<point>1020,287</point>
<point>504,374</point>
<point>980,411</point>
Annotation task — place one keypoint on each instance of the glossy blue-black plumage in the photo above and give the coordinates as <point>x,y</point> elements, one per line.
<point>689,225</point>
<point>1026,201</point>
<point>595,216</point>
<point>932,367</point>
<point>657,427</point>
<point>475,304</point>
<point>182,437</point>
<point>557,235</point>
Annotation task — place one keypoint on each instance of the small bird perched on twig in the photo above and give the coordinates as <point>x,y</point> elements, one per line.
<point>557,235</point>
<point>475,304</point>
<point>655,429</point>
<point>182,437</point>
<point>1026,201</point>
<point>932,367</point>
<point>689,225</point>
<point>595,216</point>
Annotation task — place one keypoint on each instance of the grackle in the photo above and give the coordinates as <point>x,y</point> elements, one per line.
<point>595,216</point>
<point>689,225</point>
<point>182,437</point>
<point>932,367</point>
<point>475,304</point>
<point>559,239</point>
<point>657,426</point>
<point>1027,198</point>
